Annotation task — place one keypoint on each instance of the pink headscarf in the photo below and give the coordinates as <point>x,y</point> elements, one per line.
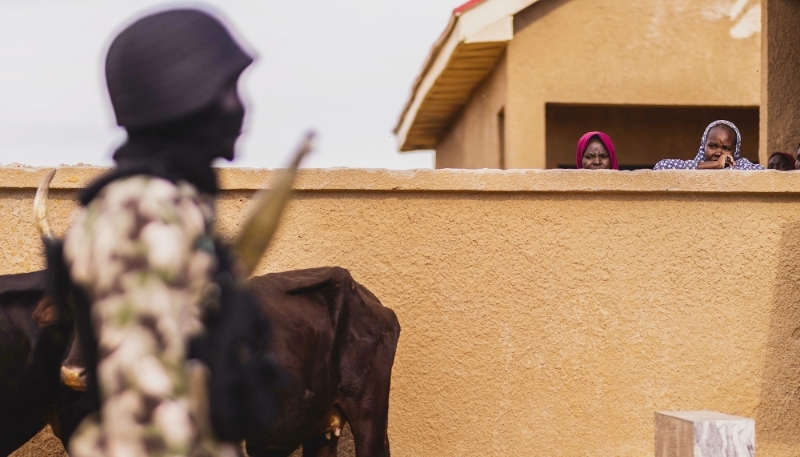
<point>605,139</point>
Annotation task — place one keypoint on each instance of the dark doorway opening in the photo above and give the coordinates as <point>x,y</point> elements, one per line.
<point>501,137</point>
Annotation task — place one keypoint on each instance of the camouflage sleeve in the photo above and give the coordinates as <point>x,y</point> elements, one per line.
<point>143,253</point>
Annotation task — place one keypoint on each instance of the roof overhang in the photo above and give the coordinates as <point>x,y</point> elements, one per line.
<point>467,51</point>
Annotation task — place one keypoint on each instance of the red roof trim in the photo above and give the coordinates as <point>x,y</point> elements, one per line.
<point>467,6</point>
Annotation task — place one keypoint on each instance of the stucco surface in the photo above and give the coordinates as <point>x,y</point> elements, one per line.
<point>473,141</point>
<point>641,52</point>
<point>780,92</point>
<point>543,312</point>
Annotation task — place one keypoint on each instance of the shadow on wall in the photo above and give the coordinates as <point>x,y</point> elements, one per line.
<point>778,413</point>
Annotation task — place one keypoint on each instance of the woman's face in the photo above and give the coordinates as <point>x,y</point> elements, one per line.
<point>779,162</point>
<point>595,156</point>
<point>721,139</point>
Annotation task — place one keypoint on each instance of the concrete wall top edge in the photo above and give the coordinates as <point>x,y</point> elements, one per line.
<point>451,180</point>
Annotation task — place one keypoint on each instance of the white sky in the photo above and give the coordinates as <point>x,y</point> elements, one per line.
<point>342,67</point>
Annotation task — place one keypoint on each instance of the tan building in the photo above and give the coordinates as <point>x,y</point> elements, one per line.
<point>515,83</point>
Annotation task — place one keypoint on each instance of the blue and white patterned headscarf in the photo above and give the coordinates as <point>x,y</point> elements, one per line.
<point>741,163</point>
<point>701,154</point>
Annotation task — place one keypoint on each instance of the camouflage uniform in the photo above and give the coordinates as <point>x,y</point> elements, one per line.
<point>142,251</point>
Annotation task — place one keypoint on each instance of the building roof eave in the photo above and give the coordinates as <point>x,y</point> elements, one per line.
<point>467,51</point>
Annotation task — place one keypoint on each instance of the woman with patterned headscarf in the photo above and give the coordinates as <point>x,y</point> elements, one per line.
<point>720,149</point>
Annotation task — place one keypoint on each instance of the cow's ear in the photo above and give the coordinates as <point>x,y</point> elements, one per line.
<point>46,312</point>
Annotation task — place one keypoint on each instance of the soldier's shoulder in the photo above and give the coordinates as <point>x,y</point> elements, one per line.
<point>132,189</point>
<point>141,199</point>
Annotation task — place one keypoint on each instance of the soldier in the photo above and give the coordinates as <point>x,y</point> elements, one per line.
<point>141,248</point>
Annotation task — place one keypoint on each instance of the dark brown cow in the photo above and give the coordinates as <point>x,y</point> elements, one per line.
<point>32,344</point>
<point>333,341</point>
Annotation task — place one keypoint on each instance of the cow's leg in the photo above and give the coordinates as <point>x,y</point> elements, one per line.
<point>321,446</point>
<point>369,417</point>
<point>254,451</point>
<point>271,454</point>
<point>367,371</point>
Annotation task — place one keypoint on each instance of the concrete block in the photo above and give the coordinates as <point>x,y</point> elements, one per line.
<point>704,434</point>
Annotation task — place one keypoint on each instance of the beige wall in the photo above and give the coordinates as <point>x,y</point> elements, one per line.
<point>643,135</point>
<point>780,91</point>
<point>543,313</point>
<point>643,52</point>
<point>473,141</point>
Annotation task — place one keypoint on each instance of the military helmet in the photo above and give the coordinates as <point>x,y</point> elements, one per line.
<point>169,65</point>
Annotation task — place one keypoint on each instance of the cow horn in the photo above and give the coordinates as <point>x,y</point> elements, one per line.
<point>261,225</point>
<point>40,207</point>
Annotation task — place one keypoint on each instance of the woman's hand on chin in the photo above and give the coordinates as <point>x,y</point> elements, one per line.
<point>723,161</point>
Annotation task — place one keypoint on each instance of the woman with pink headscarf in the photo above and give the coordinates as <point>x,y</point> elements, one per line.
<point>596,152</point>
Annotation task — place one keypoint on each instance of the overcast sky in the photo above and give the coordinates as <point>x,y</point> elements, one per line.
<point>342,67</point>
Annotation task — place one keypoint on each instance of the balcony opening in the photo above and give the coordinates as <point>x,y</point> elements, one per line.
<point>643,135</point>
